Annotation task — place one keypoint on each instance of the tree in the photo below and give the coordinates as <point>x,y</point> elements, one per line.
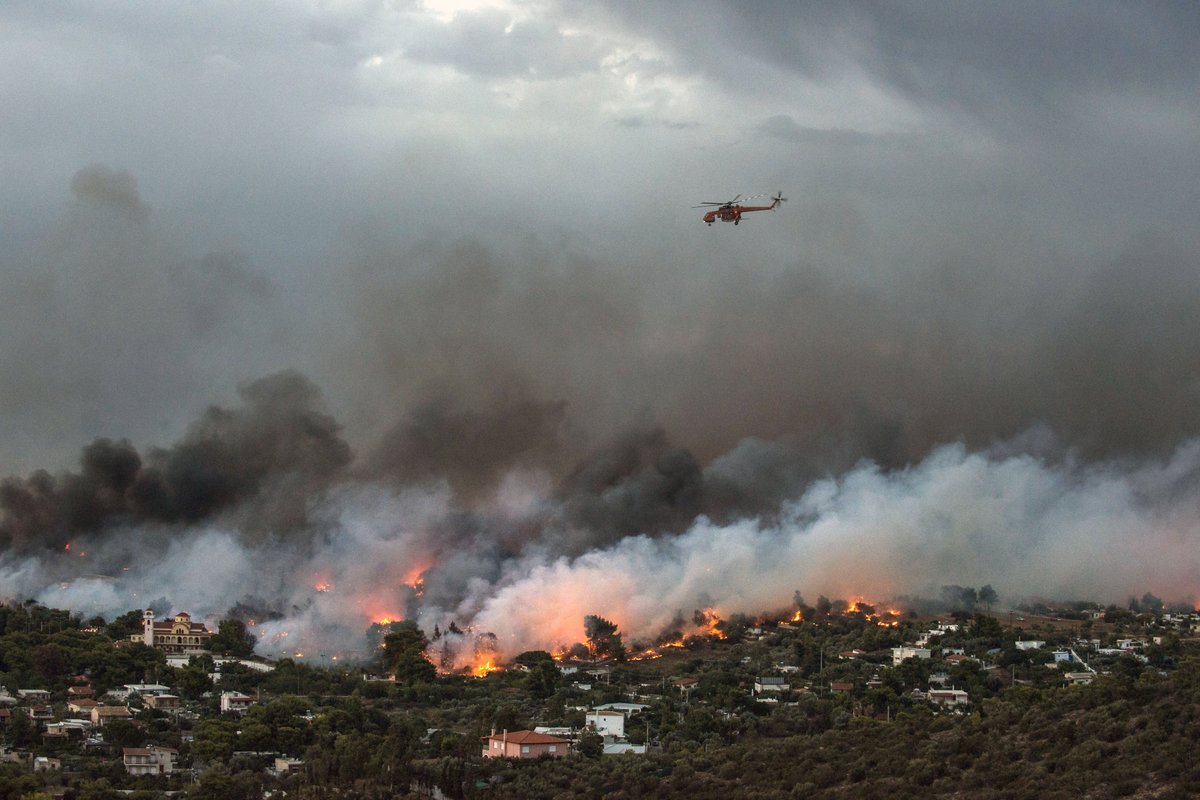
<point>123,733</point>
<point>1152,604</point>
<point>987,596</point>
<point>531,657</point>
<point>125,625</point>
<point>542,679</point>
<point>233,639</point>
<point>50,661</point>
<point>404,653</point>
<point>603,639</point>
<point>591,744</point>
<point>20,731</point>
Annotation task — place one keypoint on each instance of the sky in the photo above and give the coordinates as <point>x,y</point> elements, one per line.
<point>460,239</point>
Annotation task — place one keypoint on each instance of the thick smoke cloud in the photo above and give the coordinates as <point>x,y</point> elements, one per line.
<point>264,461</point>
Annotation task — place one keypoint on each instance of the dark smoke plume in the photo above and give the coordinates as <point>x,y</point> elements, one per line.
<point>265,459</point>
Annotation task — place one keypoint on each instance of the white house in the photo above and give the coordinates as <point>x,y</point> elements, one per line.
<point>1030,644</point>
<point>948,697</point>
<point>899,654</point>
<point>149,760</point>
<point>770,683</point>
<point>607,723</point>
<point>235,702</point>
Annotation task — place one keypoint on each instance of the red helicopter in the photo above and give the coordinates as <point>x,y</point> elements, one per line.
<point>731,210</point>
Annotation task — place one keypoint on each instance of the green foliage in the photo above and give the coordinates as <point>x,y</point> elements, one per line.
<point>591,744</point>
<point>123,733</point>
<point>124,626</point>
<point>233,639</point>
<point>404,653</point>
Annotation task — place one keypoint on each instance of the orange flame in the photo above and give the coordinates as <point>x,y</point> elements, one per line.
<point>484,668</point>
<point>710,623</point>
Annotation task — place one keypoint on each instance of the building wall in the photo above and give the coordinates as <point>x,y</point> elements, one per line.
<point>607,724</point>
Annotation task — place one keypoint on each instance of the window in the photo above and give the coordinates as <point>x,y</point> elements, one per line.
<point>524,748</point>
<point>553,748</point>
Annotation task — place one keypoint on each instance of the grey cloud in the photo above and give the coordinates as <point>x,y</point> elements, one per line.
<point>784,127</point>
<point>492,44</point>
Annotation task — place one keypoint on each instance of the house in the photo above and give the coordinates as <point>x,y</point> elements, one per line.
<point>523,744</point>
<point>149,760</point>
<point>144,689</point>
<point>235,702</point>
<point>34,695</point>
<point>66,729</point>
<point>621,748</point>
<point>80,691</point>
<point>899,654</point>
<point>102,715</point>
<point>163,702</point>
<point>948,697</point>
<point>1030,644</point>
<point>686,684</point>
<point>81,707</point>
<point>45,764</point>
<point>840,687</point>
<point>628,708</point>
<point>1062,656</point>
<point>1079,678</point>
<point>607,723</point>
<point>288,766</point>
<point>770,683</point>
<point>177,635</point>
<point>561,731</point>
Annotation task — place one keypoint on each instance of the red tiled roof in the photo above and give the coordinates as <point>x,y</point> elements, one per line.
<point>526,737</point>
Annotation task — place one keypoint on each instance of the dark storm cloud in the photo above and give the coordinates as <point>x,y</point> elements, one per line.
<point>969,56</point>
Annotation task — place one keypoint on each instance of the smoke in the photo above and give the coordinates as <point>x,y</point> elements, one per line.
<point>262,461</point>
<point>544,434</point>
<point>516,565</point>
<point>104,187</point>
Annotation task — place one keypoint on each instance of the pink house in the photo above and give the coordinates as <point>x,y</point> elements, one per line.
<point>523,744</point>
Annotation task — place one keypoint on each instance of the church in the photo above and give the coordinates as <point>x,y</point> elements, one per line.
<point>177,635</point>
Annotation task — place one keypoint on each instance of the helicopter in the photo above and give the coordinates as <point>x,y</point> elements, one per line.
<point>732,210</point>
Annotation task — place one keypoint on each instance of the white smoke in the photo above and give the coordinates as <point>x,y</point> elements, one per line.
<point>1022,524</point>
